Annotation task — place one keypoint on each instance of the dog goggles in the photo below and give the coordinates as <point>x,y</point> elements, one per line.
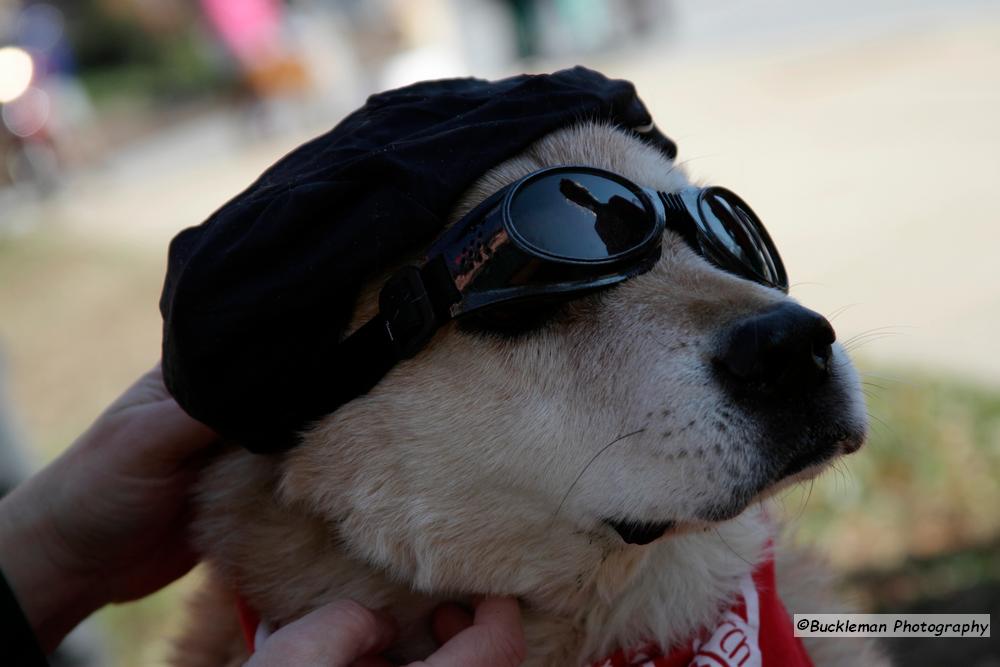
<point>557,233</point>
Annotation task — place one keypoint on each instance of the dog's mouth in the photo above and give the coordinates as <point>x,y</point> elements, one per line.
<point>801,466</point>
<point>640,532</point>
<point>807,459</point>
<point>839,443</point>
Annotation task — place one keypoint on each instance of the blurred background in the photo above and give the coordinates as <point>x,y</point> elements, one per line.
<point>864,132</point>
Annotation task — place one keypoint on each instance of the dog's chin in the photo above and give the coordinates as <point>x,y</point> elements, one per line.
<point>798,469</point>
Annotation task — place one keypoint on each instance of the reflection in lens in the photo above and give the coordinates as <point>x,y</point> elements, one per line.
<point>615,221</point>
<point>734,227</point>
<point>580,216</point>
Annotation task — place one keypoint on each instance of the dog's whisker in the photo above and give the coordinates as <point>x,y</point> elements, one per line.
<point>840,311</point>
<point>881,421</point>
<point>805,502</point>
<point>729,546</point>
<point>870,393</point>
<point>887,328</point>
<point>837,476</point>
<point>780,498</point>
<point>590,463</point>
<point>871,339</point>
<point>849,344</point>
<point>866,334</point>
<point>842,474</point>
<point>888,378</point>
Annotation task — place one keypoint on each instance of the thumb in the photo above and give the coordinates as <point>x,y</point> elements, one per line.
<point>336,635</point>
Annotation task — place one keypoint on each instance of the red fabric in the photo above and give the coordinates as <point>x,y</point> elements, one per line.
<point>249,620</point>
<point>755,632</point>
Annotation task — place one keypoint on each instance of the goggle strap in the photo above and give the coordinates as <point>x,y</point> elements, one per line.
<point>413,304</point>
<point>362,360</point>
<point>678,219</point>
<point>440,287</point>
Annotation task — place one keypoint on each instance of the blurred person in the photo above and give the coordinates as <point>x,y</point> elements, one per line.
<point>566,27</point>
<point>42,123</point>
<point>107,522</point>
<point>525,16</point>
<point>253,33</point>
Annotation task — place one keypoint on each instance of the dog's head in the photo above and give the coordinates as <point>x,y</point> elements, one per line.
<point>516,461</point>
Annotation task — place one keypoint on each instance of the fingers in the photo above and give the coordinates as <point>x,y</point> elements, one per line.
<point>148,388</point>
<point>335,635</point>
<point>146,423</point>
<point>495,638</point>
<point>179,436</point>
<point>449,619</point>
<point>345,634</point>
<point>372,661</point>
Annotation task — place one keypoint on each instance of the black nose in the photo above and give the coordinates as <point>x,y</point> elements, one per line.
<point>785,349</point>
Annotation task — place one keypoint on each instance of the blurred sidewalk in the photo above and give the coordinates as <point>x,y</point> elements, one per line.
<point>869,148</point>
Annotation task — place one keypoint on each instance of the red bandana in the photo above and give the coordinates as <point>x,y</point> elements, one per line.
<point>249,623</point>
<point>755,632</point>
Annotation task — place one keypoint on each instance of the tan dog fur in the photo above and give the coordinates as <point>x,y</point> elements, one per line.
<point>460,473</point>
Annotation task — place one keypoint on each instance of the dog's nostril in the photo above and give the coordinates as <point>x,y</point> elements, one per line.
<point>822,343</point>
<point>821,354</point>
<point>787,348</point>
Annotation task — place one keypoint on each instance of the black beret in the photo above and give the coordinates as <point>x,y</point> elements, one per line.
<point>257,297</point>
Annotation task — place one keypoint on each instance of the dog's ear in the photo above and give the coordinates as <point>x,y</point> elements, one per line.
<point>651,134</point>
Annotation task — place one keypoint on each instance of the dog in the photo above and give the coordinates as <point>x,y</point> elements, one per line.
<point>599,465</point>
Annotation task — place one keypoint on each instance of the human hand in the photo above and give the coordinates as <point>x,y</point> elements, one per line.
<point>345,634</point>
<point>107,520</point>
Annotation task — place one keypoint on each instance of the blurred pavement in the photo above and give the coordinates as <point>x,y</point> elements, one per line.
<point>869,148</point>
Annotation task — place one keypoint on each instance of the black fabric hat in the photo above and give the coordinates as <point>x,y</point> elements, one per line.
<point>257,297</point>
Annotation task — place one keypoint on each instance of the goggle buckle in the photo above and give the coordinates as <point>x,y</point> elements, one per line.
<point>407,311</point>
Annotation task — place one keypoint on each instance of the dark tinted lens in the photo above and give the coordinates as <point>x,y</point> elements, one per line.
<point>734,228</point>
<point>579,216</point>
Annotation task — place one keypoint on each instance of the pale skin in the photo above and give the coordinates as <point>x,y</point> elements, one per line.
<point>107,522</point>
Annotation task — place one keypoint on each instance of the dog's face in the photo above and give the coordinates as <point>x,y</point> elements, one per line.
<point>517,462</point>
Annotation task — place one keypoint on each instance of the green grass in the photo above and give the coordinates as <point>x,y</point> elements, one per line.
<point>926,482</point>
<point>913,515</point>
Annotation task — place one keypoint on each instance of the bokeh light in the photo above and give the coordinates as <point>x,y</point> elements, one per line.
<point>27,114</point>
<point>16,71</point>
